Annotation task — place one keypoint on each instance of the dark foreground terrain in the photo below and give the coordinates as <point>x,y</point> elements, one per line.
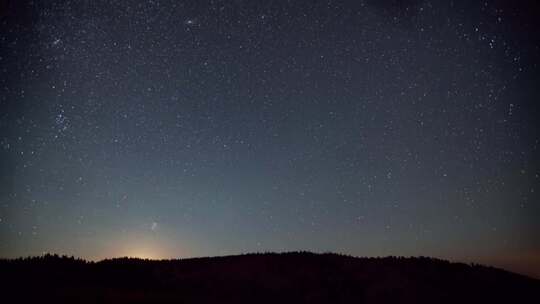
<point>260,278</point>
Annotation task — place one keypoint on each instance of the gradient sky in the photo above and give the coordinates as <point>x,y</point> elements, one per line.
<point>178,129</point>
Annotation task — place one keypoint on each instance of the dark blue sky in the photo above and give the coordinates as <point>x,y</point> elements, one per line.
<point>176,129</point>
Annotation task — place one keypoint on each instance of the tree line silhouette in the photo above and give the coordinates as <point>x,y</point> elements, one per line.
<point>295,277</point>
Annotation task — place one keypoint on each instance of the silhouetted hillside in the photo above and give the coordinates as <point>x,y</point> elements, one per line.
<point>260,278</point>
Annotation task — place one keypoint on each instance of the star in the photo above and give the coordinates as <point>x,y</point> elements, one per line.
<point>190,22</point>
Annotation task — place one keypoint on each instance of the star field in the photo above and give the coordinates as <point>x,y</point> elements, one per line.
<point>191,128</point>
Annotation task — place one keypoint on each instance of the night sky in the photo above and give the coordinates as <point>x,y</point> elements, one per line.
<point>167,129</point>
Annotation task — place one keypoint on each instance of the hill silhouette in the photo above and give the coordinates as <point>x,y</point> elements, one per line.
<point>298,277</point>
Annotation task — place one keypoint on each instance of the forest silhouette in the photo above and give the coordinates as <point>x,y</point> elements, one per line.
<point>295,277</point>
